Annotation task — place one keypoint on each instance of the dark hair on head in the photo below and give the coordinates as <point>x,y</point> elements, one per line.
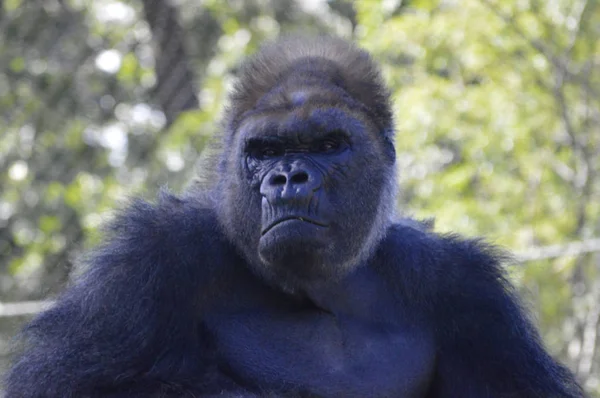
<point>341,62</point>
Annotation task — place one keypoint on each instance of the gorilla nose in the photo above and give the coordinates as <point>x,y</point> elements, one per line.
<point>288,184</point>
<point>295,177</point>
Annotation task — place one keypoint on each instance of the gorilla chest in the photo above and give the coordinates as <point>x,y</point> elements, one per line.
<point>321,355</point>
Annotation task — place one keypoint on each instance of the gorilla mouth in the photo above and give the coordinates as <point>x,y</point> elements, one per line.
<point>284,219</point>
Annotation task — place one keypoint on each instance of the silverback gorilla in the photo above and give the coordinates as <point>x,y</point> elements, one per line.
<point>289,276</point>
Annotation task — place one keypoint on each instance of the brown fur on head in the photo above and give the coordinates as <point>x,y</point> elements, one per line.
<point>290,63</point>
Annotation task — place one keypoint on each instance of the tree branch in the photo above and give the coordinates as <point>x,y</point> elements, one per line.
<point>175,88</point>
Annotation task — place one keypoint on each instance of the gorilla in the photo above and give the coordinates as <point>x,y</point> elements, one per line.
<point>288,274</point>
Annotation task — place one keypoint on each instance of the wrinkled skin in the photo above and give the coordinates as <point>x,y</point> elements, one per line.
<point>289,275</point>
<point>299,172</point>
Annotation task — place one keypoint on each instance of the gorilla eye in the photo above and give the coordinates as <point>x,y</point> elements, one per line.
<point>265,151</point>
<point>260,148</point>
<point>269,152</point>
<point>329,144</point>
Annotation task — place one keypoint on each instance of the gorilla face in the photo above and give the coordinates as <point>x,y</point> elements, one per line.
<point>309,189</point>
<point>298,172</point>
<point>307,174</point>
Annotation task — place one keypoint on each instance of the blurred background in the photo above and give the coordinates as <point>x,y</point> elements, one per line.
<point>498,129</point>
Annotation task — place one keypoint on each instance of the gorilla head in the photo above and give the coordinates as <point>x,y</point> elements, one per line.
<point>307,182</point>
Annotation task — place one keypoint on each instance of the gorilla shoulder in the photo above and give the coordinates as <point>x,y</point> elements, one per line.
<point>433,266</point>
<point>169,229</point>
<point>168,215</point>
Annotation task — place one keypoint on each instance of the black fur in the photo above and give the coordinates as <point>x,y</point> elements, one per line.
<point>205,295</point>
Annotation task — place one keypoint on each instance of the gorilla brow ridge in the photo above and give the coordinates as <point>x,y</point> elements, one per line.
<point>288,107</point>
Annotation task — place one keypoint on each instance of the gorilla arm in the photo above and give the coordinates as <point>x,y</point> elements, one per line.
<point>486,345</point>
<point>131,321</point>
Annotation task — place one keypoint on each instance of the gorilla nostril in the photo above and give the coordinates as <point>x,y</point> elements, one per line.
<point>299,178</point>
<point>279,180</point>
